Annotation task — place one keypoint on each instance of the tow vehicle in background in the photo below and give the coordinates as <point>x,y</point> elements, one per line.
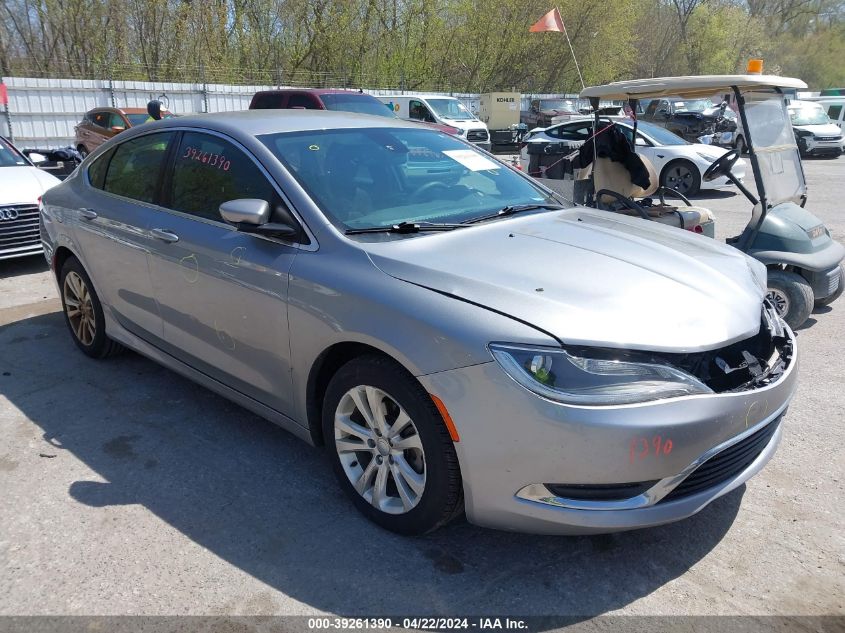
<point>803,261</point>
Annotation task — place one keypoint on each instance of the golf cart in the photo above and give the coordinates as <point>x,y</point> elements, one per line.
<point>804,264</point>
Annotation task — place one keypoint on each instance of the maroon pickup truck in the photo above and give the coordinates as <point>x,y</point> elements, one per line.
<point>329,99</point>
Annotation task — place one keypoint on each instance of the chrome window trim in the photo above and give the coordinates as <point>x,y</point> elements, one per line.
<point>312,246</point>
<point>539,493</point>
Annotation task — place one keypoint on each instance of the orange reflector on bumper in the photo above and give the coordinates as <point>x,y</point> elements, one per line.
<point>447,419</point>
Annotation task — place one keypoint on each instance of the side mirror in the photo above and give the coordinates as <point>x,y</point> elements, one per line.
<point>37,158</point>
<point>250,215</point>
<point>641,142</point>
<point>117,128</point>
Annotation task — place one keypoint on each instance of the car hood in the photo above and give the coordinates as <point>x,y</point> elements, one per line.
<point>24,184</point>
<point>824,129</point>
<point>591,278</point>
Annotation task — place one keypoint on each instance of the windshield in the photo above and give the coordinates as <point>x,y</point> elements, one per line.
<point>808,115</point>
<point>450,109</point>
<point>770,132</point>
<point>9,156</point>
<point>660,135</point>
<point>383,176</point>
<point>692,105</point>
<point>361,103</point>
<point>556,104</point>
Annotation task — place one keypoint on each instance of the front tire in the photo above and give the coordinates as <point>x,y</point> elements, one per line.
<point>682,176</point>
<point>84,312</point>
<point>389,447</point>
<point>791,295</point>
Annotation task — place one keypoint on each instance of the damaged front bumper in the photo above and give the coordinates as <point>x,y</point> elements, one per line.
<point>535,465</point>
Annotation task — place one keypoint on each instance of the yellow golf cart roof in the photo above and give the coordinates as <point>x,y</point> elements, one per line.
<point>689,87</point>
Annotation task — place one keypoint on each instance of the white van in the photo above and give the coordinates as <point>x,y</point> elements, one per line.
<point>815,133</point>
<point>835,108</point>
<point>440,109</point>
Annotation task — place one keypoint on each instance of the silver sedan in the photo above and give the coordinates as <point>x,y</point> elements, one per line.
<point>459,338</point>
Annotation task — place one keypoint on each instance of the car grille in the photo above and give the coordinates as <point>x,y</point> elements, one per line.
<point>828,138</point>
<point>725,464</point>
<point>19,226</point>
<point>477,135</point>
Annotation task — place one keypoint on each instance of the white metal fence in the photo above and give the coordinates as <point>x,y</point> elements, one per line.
<point>43,112</point>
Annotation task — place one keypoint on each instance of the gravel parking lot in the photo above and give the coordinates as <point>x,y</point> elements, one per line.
<point>128,490</point>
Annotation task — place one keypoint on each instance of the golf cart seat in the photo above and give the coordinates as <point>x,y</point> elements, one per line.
<point>616,192</point>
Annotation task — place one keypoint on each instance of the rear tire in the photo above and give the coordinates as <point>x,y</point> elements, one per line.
<point>401,458</point>
<point>84,312</point>
<point>820,303</point>
<point>791,295</point>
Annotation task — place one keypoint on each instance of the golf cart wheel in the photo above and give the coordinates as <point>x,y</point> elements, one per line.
<point>682,176</point>
<point>791,295</point>
<point>819,303</point>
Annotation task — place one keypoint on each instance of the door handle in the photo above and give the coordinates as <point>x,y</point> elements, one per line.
<point>88,214</point>
<point>164,235</point>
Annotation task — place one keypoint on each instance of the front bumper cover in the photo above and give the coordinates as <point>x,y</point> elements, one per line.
<point>512,441</point>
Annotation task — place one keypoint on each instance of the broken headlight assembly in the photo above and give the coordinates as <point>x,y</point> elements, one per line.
<point>604,377</point>
<point>593,379</point>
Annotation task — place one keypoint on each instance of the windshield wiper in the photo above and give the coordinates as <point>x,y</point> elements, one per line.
<point>406,227</point>
<point>512,210</point>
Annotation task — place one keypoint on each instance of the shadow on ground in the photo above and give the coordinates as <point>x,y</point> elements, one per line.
<point>268,504</point>
<point>23,266</point>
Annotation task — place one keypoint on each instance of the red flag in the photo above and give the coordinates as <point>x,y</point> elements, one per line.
<point>549,22</point>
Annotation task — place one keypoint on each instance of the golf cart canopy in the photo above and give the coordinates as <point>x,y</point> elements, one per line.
<point>688,87</point>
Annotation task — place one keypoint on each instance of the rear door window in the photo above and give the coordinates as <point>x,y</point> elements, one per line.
<point>834,112</point>
<point>209,171</point>
<point>136,167</point>
<point>116,121</point>
<point>97,170</point>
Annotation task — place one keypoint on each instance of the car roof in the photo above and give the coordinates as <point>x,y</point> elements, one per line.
<point>119,110</point>
<point>689,86</point>
<point>315,91</point>
<point>258,122</point>
<point>800,103</point>
<point>423,96</point>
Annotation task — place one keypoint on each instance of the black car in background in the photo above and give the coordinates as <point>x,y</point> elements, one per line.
<point>690,118</point>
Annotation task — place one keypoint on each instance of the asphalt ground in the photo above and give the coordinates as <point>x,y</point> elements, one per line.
<point>125,490</point>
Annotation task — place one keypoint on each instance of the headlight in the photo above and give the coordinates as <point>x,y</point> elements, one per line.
<point>558,375</point>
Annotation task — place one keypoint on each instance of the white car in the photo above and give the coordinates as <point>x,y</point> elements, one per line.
<point>21,188</point>
<point>679,163</point>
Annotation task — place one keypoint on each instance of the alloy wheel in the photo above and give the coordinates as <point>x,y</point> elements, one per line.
<point>680,178</point>
<point>380,449</point>
<point>779,300</point>
<point>79,308</point>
